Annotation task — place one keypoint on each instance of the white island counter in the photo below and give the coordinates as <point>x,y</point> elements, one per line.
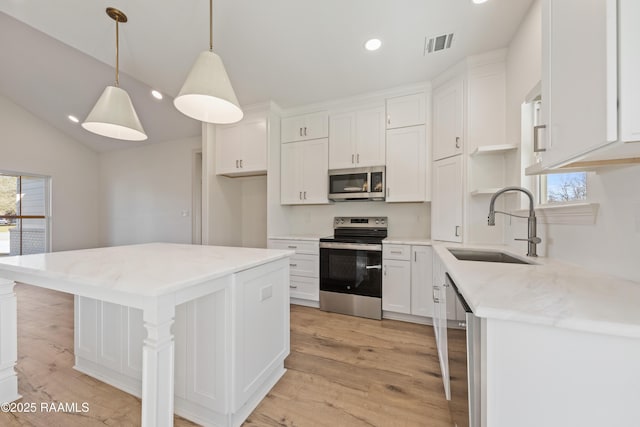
<point>231,329</point>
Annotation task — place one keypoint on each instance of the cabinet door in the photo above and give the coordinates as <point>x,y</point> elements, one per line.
<point>342,137</point>
<point>421,281</point>
<point>291,174</point>
<point>291,129</point>
<point>315,167</point>
<point>254,146</point>
<point>405,111</point>
<point>229,141</point>
<point>574,78</point>
<point>305,127</point>
<point>629,11</point>
<point>307,288</point>
<point>370,137</point>
<point>316,126</point>
<point>396,286</point>
<point>446,203</point>
<point>406,164</point>
<point>448,120</point>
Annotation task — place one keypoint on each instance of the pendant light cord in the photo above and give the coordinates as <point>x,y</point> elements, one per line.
<point>211,25</point>
<point>117,53</point>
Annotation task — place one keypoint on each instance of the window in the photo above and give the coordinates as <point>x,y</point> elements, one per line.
<point>562,188</point>
<point>24,218</point>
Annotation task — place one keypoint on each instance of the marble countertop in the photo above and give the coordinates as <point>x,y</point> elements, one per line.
<point>397,240</point>
<point>144,270</point>
<point>551,293</point>
<point>310,237</point>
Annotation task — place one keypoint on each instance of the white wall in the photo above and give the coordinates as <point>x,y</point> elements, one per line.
<point>31,146</point>
<point>405,219</point>
<point>146,193</point>
<point>612,244</point>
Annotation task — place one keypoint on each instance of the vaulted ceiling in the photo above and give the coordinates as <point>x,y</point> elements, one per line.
<point>57,56</point>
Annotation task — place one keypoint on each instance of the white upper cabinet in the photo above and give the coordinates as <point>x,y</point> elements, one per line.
<point>448,119</point>
<point>408,110</point>
<point>629,31</point>
<point>304,172</point>
<point>446,206</point>
<point>574,79</point>
<point>406,164</point>
<point>305,127</point>
<point>241,148</point>
<point>357,139</point>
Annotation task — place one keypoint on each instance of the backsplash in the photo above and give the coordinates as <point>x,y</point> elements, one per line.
<point>405,219</point>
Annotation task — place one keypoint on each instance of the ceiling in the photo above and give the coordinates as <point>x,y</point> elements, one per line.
<point>293,52</point>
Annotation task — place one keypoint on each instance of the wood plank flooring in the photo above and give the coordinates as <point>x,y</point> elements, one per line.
<point>342,371</point>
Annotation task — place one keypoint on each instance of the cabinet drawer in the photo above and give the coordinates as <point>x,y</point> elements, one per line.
<point>400,252</point>
<point>304,265</point>
<point>311,247</point>
<point>307,288</point>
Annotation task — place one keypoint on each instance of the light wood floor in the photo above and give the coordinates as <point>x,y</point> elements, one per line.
<point>342,371</point>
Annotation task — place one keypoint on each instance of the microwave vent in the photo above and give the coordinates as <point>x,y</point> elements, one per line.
<point>437,43</point>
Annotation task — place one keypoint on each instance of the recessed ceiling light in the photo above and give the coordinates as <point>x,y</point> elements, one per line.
<point>72,118</point>
<point>156,94</point>
<point>479,1</point>
<point>373,44</point>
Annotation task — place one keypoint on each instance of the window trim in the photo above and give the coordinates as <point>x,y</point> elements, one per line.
<point>570,213</point>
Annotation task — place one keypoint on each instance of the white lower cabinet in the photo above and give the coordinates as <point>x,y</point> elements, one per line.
<point>421,280</point>
<point>396,286</point>
<point>406,280</point>
<point>226,359</point>
<point>304,267</point>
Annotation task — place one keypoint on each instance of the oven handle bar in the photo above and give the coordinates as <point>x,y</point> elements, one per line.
<point>352,246</point>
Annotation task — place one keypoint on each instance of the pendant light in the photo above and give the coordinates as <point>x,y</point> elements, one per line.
<point>113,115</point>
<point>207,94</point>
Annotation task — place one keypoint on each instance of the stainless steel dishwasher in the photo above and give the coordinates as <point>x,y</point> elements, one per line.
<point>463,345</point>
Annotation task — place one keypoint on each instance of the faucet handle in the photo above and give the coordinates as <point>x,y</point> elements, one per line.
<point>532,240</point>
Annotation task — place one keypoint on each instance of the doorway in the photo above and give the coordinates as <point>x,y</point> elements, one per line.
<point>24,214</point>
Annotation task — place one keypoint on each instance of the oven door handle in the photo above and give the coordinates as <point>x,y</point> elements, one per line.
<point>351,246</point>
<point>374,267</point>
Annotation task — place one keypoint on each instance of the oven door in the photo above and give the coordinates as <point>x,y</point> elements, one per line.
<point>351,268</point>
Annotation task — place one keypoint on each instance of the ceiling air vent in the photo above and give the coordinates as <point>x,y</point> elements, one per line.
<point>437,43</point>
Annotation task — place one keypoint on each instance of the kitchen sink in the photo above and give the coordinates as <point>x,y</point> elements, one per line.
<point>486,256</point>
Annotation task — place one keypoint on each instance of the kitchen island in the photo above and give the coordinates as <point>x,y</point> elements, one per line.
<point>219,316</point>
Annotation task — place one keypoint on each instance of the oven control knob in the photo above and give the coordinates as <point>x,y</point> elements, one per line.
<point>377,221</point>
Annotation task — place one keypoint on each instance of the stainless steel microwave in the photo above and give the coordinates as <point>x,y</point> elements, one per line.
<point>357,184</point>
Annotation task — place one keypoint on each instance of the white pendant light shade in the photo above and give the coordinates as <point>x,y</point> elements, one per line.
<point>114,116</point>
<point>207,94</point>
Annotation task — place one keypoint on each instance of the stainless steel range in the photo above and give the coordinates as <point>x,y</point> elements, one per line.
<point>351,267</point>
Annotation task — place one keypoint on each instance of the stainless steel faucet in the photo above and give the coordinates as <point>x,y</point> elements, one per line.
<point>532,240</point>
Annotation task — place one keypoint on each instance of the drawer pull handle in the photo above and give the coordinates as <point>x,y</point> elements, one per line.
<point>292,247</point>
<point>397,252</point>
<point>293,265</point>
<point>293,286</point>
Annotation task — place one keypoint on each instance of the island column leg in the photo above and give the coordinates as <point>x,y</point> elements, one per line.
<point>8,342</point>
<point>158,366</point>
